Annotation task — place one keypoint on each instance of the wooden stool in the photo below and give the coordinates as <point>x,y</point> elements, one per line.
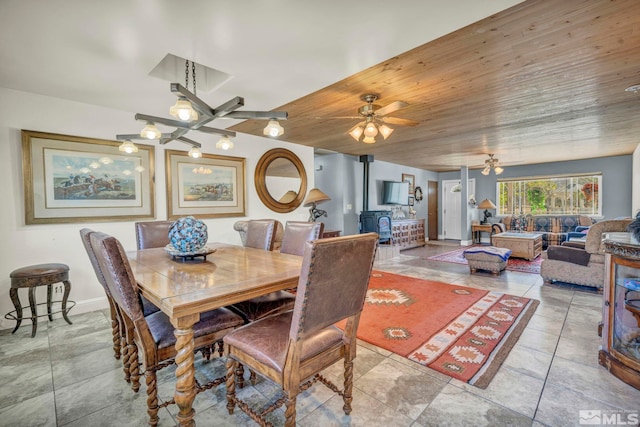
<point>31,277</point>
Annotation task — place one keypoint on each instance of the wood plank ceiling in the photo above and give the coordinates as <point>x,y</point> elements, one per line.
<point>540,82</point>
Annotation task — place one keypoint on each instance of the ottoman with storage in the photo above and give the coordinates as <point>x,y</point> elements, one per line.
<point>489,258</point>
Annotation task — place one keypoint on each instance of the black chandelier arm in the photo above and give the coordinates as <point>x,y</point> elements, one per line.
<point>163,121</point>
<point>130,136</point>
<point>203,108</point>
<point>190,141</point>
<point>258,115</point>
<point>186,126</point>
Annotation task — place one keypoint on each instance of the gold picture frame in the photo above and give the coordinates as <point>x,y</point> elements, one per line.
<point>411,179</point>
<point>211,186</point>
<point>71,179</point>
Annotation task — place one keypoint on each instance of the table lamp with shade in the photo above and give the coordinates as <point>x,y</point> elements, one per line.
<point>314,197</point>
<point>486,204</point>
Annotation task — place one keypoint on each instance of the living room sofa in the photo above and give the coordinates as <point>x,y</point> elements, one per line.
<point>554,228</point>
<point>579,266</point>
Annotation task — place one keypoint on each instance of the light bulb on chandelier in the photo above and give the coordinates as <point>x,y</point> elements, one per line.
<point>195,152</point>
<point>273,129</point>
<point>150,131</point>
<point>224,143</point>
<point>127,147</point>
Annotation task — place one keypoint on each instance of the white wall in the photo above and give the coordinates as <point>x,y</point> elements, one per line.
<point>26,245</point>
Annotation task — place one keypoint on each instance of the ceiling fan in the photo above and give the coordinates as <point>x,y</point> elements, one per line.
<point>375,119</point>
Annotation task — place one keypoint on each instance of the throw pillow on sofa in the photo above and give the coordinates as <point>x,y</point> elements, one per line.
<point>569,254</point>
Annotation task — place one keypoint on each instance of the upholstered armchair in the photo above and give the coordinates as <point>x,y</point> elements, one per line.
<point>581,266</point>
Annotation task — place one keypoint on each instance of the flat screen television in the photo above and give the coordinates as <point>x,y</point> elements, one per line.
<point>395,193</point>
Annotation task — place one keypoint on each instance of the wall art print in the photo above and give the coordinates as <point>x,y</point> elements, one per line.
<point>75,179</point>
<point>208,187</point>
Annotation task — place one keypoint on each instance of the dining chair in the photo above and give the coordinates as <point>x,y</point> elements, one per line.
<point>149,235</point>
<point>260,235</point>
<point>118,342</point>
<point>152,234</point>
<point>292,348</point>
<point>296,233</point>
<point>152,335</point>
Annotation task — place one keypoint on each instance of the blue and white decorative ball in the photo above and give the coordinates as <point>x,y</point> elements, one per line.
<point>188,234</point>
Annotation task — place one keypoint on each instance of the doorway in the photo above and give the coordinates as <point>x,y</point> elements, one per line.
<point>451,207</point>
<point>432,210</point>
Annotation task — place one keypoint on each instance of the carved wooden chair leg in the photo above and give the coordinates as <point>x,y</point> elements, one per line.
<point>152,396</point>
<point>252,377</point>
<point>347,395</point>
<point>134,367</point>
<point>126,361</point>
<point>231,384</point>
<point>290,410</point>
<point>240,375</point>
<point>116,339</point>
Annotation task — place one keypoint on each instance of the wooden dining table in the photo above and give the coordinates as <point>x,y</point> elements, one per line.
<point>185,288</point>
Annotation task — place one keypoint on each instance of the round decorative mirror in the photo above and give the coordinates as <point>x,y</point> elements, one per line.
<point>281,180</point>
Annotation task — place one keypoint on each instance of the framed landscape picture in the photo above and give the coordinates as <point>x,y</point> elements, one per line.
<point>208,187</point>
<point>411,179</point>
<point>74,179</point>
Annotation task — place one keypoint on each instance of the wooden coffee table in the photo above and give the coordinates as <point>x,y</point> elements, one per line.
<point>522,245</point>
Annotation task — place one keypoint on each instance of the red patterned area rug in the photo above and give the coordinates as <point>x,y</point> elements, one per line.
<point>514,264</point>
<point>462,332</point>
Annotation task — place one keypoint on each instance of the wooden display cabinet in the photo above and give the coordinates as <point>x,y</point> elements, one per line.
<point>620,349</point>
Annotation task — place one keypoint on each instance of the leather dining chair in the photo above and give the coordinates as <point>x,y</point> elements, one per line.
<point>121,348</point>
<point>293,347</point>
<point>152,234</point>
<point>296,233</point>
<point>118,342</point>
<point>261,235</point>
<point>149,235</point>
<point>152,335</point>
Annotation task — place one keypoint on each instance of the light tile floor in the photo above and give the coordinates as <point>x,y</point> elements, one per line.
<point>67,376</point>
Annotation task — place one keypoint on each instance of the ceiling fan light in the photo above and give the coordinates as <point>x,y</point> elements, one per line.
<point>356,132</point>
<point>369,140</point>
<point>150,131</point>
<point>370,130</point>
<point>128,147</point>
<point>183,110</point>
<point>224,143</point>
<point>273,129</point>
<point>385,131</point>
<point>195,152</point>
<point>486,170</point>
<point>498,170</point>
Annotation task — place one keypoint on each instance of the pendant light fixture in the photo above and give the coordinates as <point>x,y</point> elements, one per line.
<point>192,113</point>
<point>224,143</point>
<point>128,147</point>
<point>273,128</point>
<point>182,109</point>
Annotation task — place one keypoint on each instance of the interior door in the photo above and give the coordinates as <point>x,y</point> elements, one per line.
<point>451,210</point>
<point>432,210</point>
<point>452,203</point>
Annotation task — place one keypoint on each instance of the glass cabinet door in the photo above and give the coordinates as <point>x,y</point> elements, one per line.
<point>624,338</point>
